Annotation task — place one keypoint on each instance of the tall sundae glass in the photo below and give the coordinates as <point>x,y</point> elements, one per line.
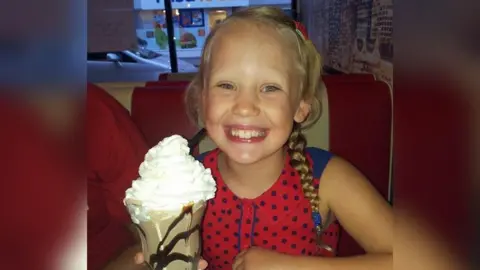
<point>167,204</point>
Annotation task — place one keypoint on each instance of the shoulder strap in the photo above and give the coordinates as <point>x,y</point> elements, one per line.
<point>202,156</point>
<point>320,159</point>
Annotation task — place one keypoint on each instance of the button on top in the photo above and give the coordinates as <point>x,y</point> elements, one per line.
<point>248,207</point>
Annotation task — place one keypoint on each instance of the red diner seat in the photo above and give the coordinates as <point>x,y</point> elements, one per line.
<point>160,112</point>
<point>360,131</point>
<point>180,84</point>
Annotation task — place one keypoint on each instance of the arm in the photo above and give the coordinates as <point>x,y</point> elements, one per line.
<point>418,245</point>
<point>126,261</point>
<point>362,212</point>
<point>417,248</point>
<point>363,262</point>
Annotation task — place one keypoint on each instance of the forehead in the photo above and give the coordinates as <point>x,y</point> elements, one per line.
<point>248,43</point>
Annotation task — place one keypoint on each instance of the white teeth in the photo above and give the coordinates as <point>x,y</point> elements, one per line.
<point>247,134</point>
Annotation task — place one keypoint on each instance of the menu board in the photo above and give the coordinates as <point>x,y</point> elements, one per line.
<point>192,18</point>
<point>188,24</point>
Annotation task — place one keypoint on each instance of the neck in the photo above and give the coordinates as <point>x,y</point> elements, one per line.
<point>268,168</point>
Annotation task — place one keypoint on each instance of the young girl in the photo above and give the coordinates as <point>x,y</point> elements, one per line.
<point>258,87</point>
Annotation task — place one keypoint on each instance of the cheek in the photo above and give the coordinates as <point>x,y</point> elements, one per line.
<point>214,109</point>
<point>279,110</point>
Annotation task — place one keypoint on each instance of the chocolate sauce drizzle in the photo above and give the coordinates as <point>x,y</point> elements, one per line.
<point>164,257</point>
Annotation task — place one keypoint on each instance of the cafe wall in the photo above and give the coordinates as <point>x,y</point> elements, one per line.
<point>353,36</point>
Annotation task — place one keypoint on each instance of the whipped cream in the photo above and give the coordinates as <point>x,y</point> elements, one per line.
<point>170,179</point>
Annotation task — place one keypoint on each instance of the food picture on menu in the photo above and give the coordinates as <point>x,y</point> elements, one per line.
<point>188,41</point>
<point>197,17</point>
<point>186,19</point>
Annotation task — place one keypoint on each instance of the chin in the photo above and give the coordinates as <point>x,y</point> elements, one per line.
<point>250,155</point>
<point>241,156</point>
<point>243,159</point>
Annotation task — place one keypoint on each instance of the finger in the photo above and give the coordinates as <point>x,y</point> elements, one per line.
<point>139,259</point>
<point>241,254</point>
<point>239,266</point>
<point>238,260</point>
<point>202,264</point>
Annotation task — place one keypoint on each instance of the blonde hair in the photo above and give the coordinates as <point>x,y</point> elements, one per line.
<point>309,67</point>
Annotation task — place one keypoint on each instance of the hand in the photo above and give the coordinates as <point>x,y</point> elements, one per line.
<point>126,260</point>
<point>139,259</point>
<point>261,259</point>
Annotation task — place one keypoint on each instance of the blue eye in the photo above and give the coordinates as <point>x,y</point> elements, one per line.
<point>226,86</point>
<point>270,88</point>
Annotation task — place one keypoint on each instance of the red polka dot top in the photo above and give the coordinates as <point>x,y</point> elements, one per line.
<point>280,219</point>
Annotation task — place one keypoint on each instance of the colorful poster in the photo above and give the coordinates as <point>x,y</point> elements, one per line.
<point>161,37</point>
<point>197,18</point>
<point>191,18</point>
<point>189,30</point>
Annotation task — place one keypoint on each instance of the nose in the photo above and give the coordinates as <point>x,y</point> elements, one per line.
<point>246,104</point>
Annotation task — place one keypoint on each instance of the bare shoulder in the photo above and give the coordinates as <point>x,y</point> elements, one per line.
<point>338,165</point>
<point>339,174</point>
<point>357,205</point>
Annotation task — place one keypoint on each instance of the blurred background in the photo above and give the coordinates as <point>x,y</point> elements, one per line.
<point>168,36</point>
<point>157,36</point>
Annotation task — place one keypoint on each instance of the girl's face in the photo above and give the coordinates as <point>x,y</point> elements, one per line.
<point>252,97</point>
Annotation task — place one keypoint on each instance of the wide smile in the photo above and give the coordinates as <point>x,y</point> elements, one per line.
<point>246,134</point>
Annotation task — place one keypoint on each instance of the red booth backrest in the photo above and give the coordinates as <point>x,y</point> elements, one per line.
<point>180,84</point>
<point>360,132</point>
<point>160,112</point>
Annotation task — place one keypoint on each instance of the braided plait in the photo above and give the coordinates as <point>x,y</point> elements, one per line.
<point>298,160</point>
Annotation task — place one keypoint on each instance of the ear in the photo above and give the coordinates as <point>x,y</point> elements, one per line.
<point>302,112</point>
